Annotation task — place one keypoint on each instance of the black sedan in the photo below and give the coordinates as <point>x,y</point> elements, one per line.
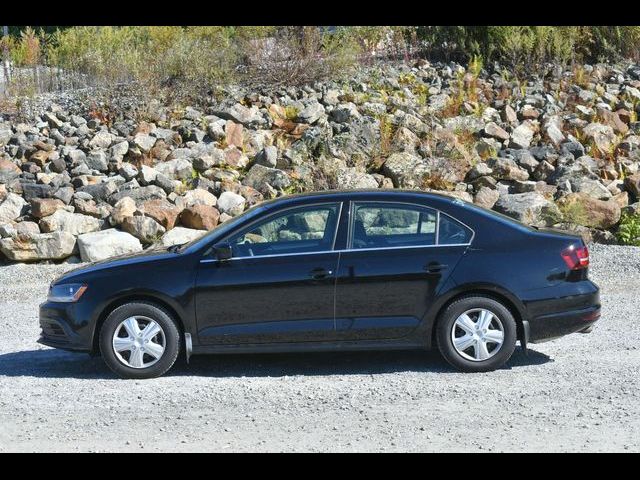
<point>347,270</point>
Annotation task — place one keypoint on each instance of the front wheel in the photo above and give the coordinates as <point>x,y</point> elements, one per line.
<point>139,340</point>
<point>476,334</point>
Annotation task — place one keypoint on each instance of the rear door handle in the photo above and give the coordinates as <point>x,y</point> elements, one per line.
<point>319,273</point>
<point>435,267</point>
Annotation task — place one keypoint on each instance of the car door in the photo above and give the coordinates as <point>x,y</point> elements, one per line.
<point>278,286</point>
<point>398,255</point>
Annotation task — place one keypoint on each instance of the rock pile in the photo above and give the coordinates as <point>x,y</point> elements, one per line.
<point>560,151</point>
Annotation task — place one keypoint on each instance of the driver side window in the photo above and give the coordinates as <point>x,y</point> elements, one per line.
<point>299,230</point>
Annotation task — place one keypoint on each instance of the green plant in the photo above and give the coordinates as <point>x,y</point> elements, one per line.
<point>629,229</point>
<point>387,131</point>
<point>573,213</point>
<point>290,112</point>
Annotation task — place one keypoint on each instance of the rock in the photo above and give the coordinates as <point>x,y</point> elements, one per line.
<point>43,207</point>
<point>259,175</point>
<point>102,139</point>
<point>233,157</point>
<point>180,235</point>
<point>351,178</point>
<point>198,196</point>
<point>234,134</point>
<point>20,229</point>
<point>124,208</point>
<point>555,134</point>
<point>631,183</point>
<point>492,129</point>
<point>73,223</point>
<point>603,136</point>
<point>509,114</point>
<point>480,169</point>
<point>405,170</point>
<point>162,211</point>
<point>267,157</point>
<point>8,170</point>
<point>522,135</point>
<point>128,171</point>
<point>311,113</point>
<point>344,113</point>
<point>176,169</point>
<point>506,169</point>
<point>147,175</point>
<point>486,197</point>
<point>43,246</point>
<point>40,158</point>
<point>249,117</point>
<point>146,229</point>
<point>101,191</point>
<point>105,244</point>
<point>11,208</point>
<point>529,208</point>
<point>144,141</point>
<point>591,187</point>
<point>231,203</point>
<point>97,160</point>
<point>591,212</point>
<point>200,217</point>
<point>141,194</point>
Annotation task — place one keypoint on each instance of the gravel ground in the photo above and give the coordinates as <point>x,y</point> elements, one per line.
<point>578,393</point>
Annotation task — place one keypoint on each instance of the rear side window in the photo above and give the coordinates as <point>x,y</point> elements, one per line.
<point>380,225</point>
<point>452,232</point>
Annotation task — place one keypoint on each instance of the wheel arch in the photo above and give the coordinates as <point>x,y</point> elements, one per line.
<point>508,299</point>
<point>148,297</point>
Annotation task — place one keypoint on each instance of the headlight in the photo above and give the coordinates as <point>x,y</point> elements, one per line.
<point>70,292</point>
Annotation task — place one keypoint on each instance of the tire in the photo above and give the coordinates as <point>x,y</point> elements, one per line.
<point>128,351</point>
<point>464,320</point>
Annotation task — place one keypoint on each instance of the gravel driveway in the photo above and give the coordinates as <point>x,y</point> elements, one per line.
<point>579,393</point>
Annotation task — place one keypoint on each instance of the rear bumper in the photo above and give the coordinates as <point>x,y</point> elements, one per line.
<point>581,312</point>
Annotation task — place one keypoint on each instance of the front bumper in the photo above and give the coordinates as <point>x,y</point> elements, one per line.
<point>62,327</point>
<point>579,313</point>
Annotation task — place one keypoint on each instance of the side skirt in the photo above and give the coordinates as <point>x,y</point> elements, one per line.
<point>309,347</point>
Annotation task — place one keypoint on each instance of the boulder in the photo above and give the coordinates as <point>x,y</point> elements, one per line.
<point>591,212</point>
<point>105,244</point>
<point>162,211</point>
<point>144,141</point>
<point>73,223</point>
<point>530,208</point>
<point>43,207</point>
<point>493,130</point>
<point>180,235</point>
<point>405,170</point>
<point>42,246</point>
<point>146,229</point>
<point>353,178</point>
<point>506,169</point>
<point>11,208</point>
<point>311,113</point>
<point>632,184</point>
<point>200,217</point>
<point>231,203</point>
<point>102,139</point>
<point>197,196</point>
<point>486,197</point>
<point>176,169</point>
<point>267,157</point>
<point>259,175</point>
<point>8,170</point>
<point>124,208</point>
<point>522,135</point>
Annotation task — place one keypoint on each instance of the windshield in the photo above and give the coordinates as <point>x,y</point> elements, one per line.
<point>223,228</point>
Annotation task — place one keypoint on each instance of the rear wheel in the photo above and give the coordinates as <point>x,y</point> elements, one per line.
<point>476,334</point>
<point>139,340</point>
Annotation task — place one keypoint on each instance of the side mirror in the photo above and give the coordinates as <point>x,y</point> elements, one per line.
<point>223,251</point>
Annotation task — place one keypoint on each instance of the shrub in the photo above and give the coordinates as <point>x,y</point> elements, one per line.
<point>629,229</point>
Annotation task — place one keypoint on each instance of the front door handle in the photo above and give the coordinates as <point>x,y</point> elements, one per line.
<point>435,267</point>
<point>319,273</point>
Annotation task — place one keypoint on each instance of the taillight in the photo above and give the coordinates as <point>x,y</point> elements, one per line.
<point>576,258</point>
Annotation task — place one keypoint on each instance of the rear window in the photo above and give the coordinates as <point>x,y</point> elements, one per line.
<point>452,232</point>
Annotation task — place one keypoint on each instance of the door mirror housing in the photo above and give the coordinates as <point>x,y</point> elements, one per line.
<point>223,251</point>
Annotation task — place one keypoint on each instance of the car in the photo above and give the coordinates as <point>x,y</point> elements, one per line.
<point>337,270</point>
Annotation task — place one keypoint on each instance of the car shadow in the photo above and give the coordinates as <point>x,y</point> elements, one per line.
<point>52,363</point>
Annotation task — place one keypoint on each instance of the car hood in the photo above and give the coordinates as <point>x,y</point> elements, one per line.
<point>149,255</point>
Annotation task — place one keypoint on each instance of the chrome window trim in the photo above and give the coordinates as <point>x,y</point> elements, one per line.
<point>346,250</point>
<point>350,232</point>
